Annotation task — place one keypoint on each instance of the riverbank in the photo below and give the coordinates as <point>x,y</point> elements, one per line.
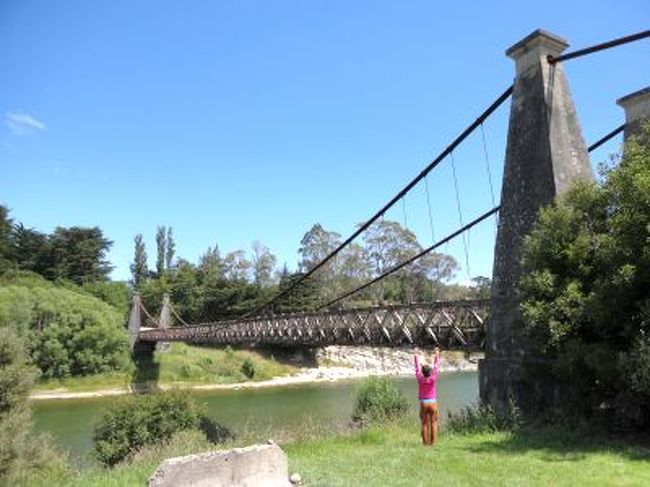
<point>331,364</point>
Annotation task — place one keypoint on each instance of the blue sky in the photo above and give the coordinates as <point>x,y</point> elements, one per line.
<point>237,121</point>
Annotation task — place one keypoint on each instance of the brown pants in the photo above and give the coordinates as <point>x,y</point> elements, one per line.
<point>429,418</point>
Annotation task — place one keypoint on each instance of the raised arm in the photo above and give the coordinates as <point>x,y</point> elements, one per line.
<point>436,364</point>
<point>416,362</point>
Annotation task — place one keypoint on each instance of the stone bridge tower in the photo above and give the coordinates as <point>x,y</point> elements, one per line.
<point>545,153</point>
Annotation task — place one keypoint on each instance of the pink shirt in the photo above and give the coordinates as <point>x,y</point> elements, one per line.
<point>426,385</point>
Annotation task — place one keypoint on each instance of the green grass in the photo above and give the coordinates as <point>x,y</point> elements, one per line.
<point>393,456</point>
<point>181,365</point>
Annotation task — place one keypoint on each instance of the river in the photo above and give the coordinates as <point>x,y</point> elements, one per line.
<point>71,421</point>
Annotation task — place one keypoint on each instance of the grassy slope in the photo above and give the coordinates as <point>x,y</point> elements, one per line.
<point>182,364</point>
<point>393,456</point>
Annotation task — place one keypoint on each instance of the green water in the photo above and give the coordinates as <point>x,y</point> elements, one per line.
<point>277,408</point>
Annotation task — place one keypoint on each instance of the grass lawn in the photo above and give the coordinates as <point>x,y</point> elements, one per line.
<point>393,456</point>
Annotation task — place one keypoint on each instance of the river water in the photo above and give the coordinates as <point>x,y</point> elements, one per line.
<point>71,421</point>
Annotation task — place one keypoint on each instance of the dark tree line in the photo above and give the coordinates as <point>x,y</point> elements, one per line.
<point>77,254</point>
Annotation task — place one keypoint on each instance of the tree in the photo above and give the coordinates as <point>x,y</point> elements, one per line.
<point>22,453</point>
<point>211,265</point>
<point>315,245</point>
<point>79,254</point>
<point>586,289</point>
<point>236,266</point>
<point>32,251</point>
<point>16,380</point>
<point>171,248</point>
<point>481,287</point>
<point>161,247</point>
<point>139,269</point>
<point>263,264</point>
<point>388,244</point>
<point>304,297</point>
<point>6,239</point>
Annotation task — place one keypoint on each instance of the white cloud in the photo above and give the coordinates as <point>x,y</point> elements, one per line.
<point>22,123</point>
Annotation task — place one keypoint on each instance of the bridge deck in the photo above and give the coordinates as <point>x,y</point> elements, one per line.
<point>450,324</point>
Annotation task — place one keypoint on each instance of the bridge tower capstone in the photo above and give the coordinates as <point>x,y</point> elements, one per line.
<point>545,153</point>
<point>637,110</point>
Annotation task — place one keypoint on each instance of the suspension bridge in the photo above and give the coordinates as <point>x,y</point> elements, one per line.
<point>545,153</point>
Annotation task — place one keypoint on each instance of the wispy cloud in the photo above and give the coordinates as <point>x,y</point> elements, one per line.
<point>22,123</point>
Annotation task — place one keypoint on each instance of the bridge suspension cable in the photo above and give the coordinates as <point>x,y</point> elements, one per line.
<point>599,47</point>
<point>412,259</point>
<point>457,141</point>
<point>451,236</point>
<point>607,137</point>
<point>148,315</point>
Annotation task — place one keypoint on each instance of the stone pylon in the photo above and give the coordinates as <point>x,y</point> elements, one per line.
<point>637,110</point>
<point>133,328</point>
<point>545,154</point>
<point>164,321</point>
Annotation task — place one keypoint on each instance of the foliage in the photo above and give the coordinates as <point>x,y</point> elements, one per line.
<point>586,289</point>
<point>69,333</point>
<point>248,368</point>
<point>263,262</point>
<point>115,293</point>
<point>170,249</point>
<point>480,418</point>
<point>377,399</point>
<point>135,421</point>
<point>223,287</point>
<point>139,269</point>
<point>21,452</point>
<point>77,254</point>
<point>161,249</point>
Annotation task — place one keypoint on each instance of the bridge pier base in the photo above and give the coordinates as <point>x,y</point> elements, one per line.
<point>545,154</point>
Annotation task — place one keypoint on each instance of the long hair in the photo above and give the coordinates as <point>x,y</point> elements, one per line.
<point>426,370</point>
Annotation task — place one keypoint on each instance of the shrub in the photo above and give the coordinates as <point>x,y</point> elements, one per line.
<point>22,453</point>
<point>480,418</point>
<point>68,332</point>
<point>585,294</point>
<point>135,421</point>
<point>248,368</point>
<point>377,399</point>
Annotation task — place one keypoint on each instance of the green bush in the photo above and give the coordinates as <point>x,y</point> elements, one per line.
<point>377,399</point>
<point>22,453</point>
<point>480,418</point>
<point>586,295</point>
<point>68,332</point>
<point>135,421</point>
<point>248,368</point>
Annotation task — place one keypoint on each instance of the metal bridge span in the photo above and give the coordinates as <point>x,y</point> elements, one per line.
<point>448,324</point>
